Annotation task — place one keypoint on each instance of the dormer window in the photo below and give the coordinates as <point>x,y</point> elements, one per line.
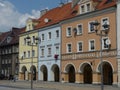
<point>88,7</point>
<point>84,8</point>
<point>9,39</point>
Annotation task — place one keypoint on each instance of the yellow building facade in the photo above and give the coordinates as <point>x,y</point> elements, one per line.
<point>28,54</point>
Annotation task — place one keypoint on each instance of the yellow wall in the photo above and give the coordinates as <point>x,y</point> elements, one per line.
<point>25,48</point>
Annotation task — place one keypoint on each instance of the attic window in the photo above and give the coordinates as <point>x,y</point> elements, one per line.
<point>84,8</point>
<point>46,20</point>
<point>9,39</point>
<point>74,11</point>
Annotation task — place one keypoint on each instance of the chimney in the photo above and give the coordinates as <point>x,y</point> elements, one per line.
<point>61,4</point>
<point>42,12</point>
<point>74,3</point>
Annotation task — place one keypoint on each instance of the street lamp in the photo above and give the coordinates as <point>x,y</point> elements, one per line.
<point>101,33</point>
<point>32,43</point>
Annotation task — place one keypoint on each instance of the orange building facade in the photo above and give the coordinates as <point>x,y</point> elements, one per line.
<point>80,52</point>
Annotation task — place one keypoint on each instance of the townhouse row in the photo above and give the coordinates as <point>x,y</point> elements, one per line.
<point>71,42</point>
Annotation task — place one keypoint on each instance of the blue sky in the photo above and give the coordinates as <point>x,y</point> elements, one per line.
<point>14,13</point>
<point>24,6</point>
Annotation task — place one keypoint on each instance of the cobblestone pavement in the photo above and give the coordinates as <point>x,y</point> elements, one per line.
<point>54,85</point>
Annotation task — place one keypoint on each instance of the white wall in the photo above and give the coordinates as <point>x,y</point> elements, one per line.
<point>118,39</point>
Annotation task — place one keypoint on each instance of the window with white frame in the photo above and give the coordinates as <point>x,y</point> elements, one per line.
<point>85,8</point>
<point>69,31</point>
<point>88,7</point>
<point>42,37</point>
<point>24,54</point>
<point>104,22</point>
<point>69,48</point>
<point>57,33</point>
<point>57,50</point>
<point>49,36</point>
<point>91,26</point>
<point>82,8</point>
<point>91,45</point>
<point>104,44</point>
<point>28,54</point>
<point>79,29</point>
<point>49,51</point>
<point>80,47</point>
<point>33,39</point>
<point>42,52</point>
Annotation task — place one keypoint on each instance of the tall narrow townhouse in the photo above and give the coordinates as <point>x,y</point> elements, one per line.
<point>9,52</point>
<point>49,64</point>
<point>81,53</point>
<point>118,39</point>
<point>28,51</point>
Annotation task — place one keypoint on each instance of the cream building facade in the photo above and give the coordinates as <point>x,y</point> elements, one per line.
<point>28,54</point>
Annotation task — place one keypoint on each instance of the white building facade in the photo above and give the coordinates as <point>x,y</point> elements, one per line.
<point>118,39</point>
<point>49,54</point>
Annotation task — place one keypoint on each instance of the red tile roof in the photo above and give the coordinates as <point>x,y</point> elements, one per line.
<point>66,11</point>
<point>55,15</point>
<point>14,33</point>
<point>106,4</point>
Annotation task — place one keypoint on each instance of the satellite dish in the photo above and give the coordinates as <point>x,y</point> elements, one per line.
<point>46,20</point>
<point>108,42</point>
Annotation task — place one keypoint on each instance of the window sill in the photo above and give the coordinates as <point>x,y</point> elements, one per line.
<point>68,36</point>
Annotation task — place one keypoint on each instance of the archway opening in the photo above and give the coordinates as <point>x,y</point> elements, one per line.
<point>45,73</point>
<point>24,70</point>
<point>34,72</point>
<point>71,73</point>
<point>87,74</point>
<point>107,74</point>
<point>56,72</point>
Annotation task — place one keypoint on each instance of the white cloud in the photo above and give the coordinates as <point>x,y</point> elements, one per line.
<point>10,17</point>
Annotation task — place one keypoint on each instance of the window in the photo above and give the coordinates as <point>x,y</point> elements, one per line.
<point>104,45</point>
<point>49,51</point>
<point>69,48</point>
<point>91,45</point>
<point>57,50</point>
<point>42,52</point>
<point>69,31</point>
<point>24,41</point>
<point>33,39</point>
<point>33,53</point>
<point>91,26</point>
<point>42,38</point>
<point>49,35</point>
<point>88,7</point>
<point>24,55</point>
<point>28,54</point>
<point>57,33</point>
<point>79,29</point>
<point>2,61</point>
<point>105,21</point>
<point>82,9</point>
<point>80,47</point>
